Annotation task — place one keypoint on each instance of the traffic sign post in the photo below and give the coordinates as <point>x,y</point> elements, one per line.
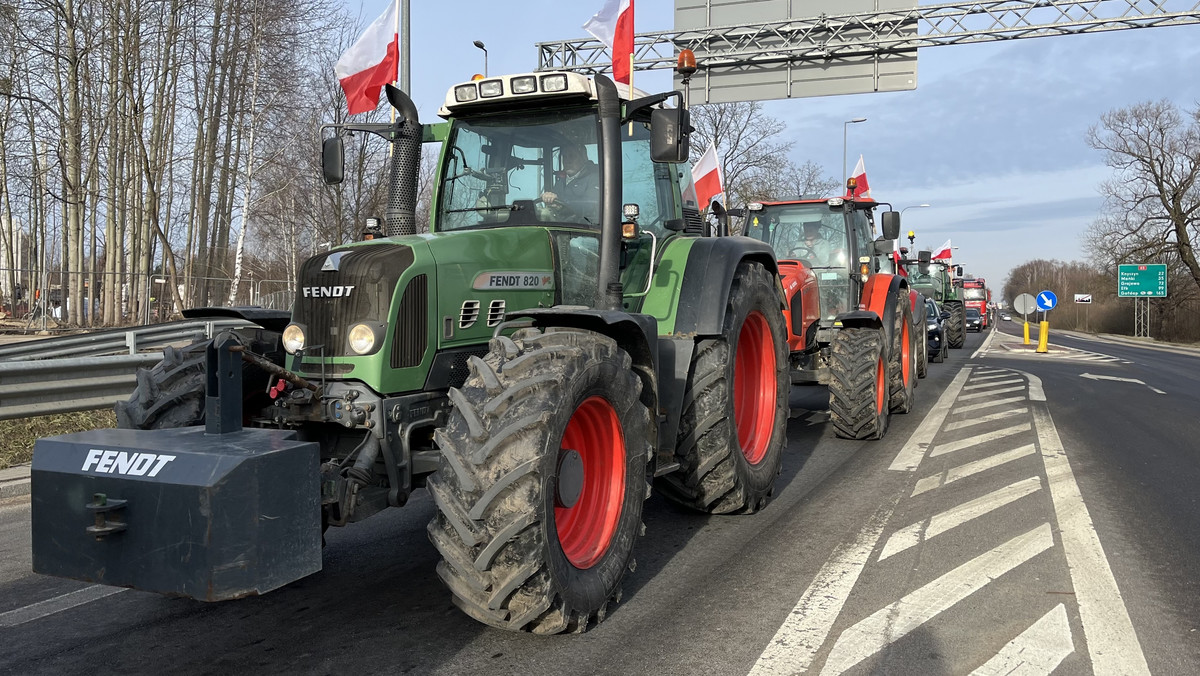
<point>1142,282</point>
<point>1083,299</point>
<point>1025,304</point>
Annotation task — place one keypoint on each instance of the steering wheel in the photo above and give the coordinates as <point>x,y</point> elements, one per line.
<point>805,252</point>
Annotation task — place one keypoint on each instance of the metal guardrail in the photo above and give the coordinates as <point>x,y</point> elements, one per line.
<point>33,388</point>
<point>117,341</point>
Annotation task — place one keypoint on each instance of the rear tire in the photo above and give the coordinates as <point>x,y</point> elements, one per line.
<point>941,353</point>
<point>956,334</point>
<point>542,478</point>
<point>733,426</point>
<point>858,385</point>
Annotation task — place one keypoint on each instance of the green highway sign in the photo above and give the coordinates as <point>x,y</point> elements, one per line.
<point>1145,280</point>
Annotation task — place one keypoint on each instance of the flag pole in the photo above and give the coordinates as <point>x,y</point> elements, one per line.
<point>396,80</point>
<point>631,86</point>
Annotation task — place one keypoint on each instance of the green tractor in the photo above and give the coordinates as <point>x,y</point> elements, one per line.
<point>537,361</point>
<point>936,279</point>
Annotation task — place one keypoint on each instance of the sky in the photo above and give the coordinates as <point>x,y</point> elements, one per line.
<point>993,137</point>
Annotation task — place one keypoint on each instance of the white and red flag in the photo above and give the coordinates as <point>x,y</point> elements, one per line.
<point>613,25</point>
<point>942,252</point>
<point>862,189</point>
<point>707,177</point>
<point>370,63</point>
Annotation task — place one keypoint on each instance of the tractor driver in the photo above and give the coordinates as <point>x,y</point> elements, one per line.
<point>576,191</point>
<point>814,247</point>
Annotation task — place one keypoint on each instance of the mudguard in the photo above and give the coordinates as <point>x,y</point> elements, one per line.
<point>879,296</point>
<point>272,320</point>
<point>707,277</point>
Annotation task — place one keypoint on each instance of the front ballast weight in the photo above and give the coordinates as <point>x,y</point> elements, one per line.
<point>213,513</point>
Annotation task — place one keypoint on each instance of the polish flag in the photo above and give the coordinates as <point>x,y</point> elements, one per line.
<point>942,253</point>
<point>862,190</point>
<point>707,177</point>
<point>613,25</point>
<point>370,63</point>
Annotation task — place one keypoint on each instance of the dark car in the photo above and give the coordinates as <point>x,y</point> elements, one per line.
<point>974,320</point>
<point>935,322</point>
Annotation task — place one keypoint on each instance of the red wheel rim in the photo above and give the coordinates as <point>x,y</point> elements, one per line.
<point>754,387</point>
<point>881,386</point>
<point>586,529</point>
<point>906,355</point>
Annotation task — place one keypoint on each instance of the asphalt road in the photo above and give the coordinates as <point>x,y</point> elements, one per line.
<point>1023,519</point>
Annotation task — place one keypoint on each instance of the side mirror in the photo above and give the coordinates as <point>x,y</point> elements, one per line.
<point>891,224</point>
<point>958,271</point>
<point>670,130</point>
<point>924,256</point>
<point>333,160</point>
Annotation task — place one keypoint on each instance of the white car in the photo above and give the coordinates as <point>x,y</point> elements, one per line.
<point>1006,317</point>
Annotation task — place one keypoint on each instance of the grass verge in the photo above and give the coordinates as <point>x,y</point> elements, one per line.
<point>17,436</point>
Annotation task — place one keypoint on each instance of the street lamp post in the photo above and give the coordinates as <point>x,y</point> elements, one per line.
<point>845,126</point>
<point>912,236</point>
<point>479,44</point>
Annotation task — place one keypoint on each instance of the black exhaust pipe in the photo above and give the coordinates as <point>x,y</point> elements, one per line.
<point>401,213</point>
<point>608,287</point>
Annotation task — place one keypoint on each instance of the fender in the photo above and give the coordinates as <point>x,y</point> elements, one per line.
<point>271,320</point>
<point>803,312</point>
<point>878,299</point>
<point>704,293</point>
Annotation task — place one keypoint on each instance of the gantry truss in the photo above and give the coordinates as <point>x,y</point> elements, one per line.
<point>834,37</point>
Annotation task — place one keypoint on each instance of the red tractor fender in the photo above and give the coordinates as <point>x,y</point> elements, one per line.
<point>803,302</point>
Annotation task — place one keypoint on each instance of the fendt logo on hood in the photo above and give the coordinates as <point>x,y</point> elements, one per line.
<point>125,462</point>
<point>327,291</point>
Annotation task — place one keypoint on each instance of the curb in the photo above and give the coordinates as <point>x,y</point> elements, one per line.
<point>14,482</point>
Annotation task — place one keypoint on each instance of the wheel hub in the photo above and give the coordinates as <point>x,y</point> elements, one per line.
<point>569,486</point>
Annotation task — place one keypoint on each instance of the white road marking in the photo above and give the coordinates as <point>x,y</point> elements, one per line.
<point>37,611</point>
<point>937,524</point>
<point>1037,651</point>
<point>952,446</point>
<point>993,375</point>
<point>909,457</point>
<point>895,621</point>
<point>1112,643</point>
<point>1091,376</point>
<point>987,404</point>
<point>792,649</point>
<point>971,468</point>
<point>989,393</point>
<point>984,386</point>
<point>999,415</point>
<point>987,344</point>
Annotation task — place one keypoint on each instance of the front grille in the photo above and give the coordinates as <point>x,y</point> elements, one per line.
<point>356,285</point>
<point>411,335</point>
<point>495,312</point>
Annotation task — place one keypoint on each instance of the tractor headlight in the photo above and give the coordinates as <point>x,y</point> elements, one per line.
<point>293,338</point>
<point>362,339</point>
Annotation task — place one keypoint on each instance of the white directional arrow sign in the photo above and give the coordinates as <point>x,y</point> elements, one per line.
<point>1092,376</point>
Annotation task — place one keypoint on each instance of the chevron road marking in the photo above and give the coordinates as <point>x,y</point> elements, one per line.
<point>937,524</point>
<point>989,393</point>
<point>952,446</point>
<point>984,386</point>
<point>991,375</point>
<point>1038,650</point>
<point>962,471</point>
<point>895,621</point>
<point>914,449</point>
<point>999,415</point>
<point>987,404</point>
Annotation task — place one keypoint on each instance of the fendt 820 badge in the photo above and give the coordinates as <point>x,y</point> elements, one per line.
<point>536,361</point>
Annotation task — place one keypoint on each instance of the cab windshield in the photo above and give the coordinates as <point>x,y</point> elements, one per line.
<point>542,168</point>
<point>812,232</point>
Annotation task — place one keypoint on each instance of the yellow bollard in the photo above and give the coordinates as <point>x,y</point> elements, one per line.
<point>1043,336</point>
<point>1027,332</point>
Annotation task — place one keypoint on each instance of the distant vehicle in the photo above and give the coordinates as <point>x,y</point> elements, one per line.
<point>935,321</point>
<point>974,320</point>
<point>1004,316</point>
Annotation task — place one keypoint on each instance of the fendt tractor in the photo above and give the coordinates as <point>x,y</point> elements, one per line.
<point>537,360</point>
<point>936,279</point>
<point>976,295</point>
<point>850,323</point>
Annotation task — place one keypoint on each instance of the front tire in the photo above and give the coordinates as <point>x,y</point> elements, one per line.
<point>732,430</point>
<point>858,385</point>
<point>542,478</point>
<point>903,360</point>
<point>956,335</point>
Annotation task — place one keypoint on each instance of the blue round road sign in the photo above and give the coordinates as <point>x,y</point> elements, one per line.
<point>1046,300</point>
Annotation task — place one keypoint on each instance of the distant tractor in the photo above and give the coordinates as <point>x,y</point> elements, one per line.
<point>936,279</point>
<point>545,353</point>
<point>850,326</point>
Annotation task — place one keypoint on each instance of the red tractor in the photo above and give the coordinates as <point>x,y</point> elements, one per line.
<point>850,325</point>
<point>976,295</point>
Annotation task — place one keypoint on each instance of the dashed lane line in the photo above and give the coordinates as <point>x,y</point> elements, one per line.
<point>913,535</point>
<point>950,447</point>
<point>1038,650</point>
<point>37,611</point>
<point>971,468</point>
<point>914,449</point>
<point>895,621</point>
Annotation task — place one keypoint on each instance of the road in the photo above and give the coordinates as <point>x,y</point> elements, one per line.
<point>1024,519</point>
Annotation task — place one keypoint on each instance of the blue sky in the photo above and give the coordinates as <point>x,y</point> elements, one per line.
<point>992,138</point>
